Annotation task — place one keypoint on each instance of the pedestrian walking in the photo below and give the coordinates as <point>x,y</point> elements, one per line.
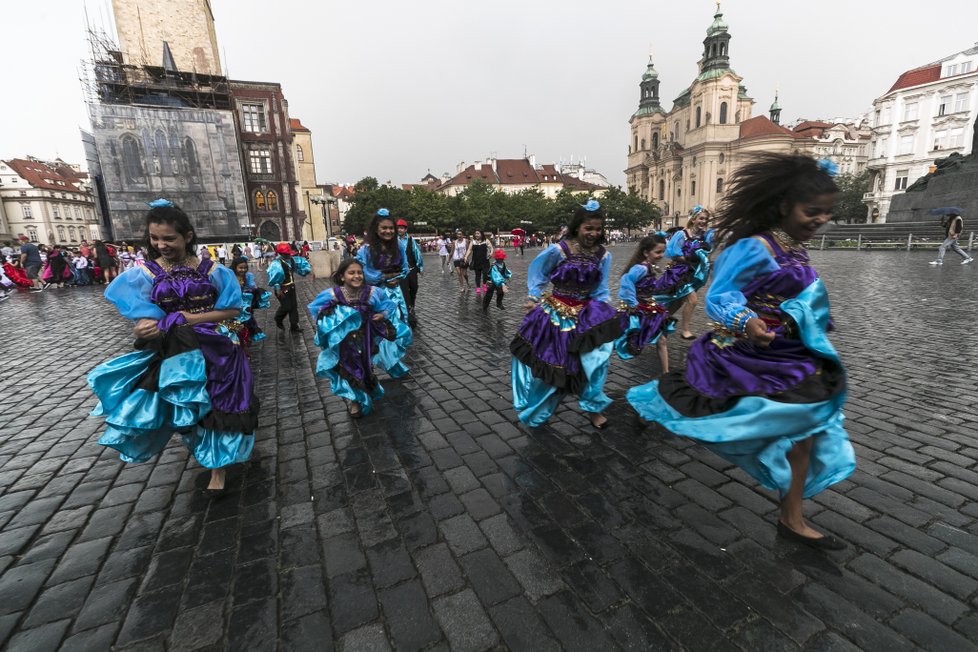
<point>478,258</point>
<point>460,250</point>
<point>499,276</point>
<point>765,389</point>
<point>222,253</point>
<point>565,341</point>
<point>385,263</point>
<point>953,227</point>
<point>186,375</point>
<point>409,284</point>
<point>281,277</point>
<point>442,244</point>
<point>30,262</point>
<point>352,320</point>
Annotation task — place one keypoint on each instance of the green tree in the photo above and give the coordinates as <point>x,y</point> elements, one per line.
<point>368,197</point>
<point>850,207</point>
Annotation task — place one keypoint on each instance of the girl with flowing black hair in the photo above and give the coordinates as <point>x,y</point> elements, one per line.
<point>765,389</point>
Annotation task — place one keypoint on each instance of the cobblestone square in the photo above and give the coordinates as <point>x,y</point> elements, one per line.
<point>438,522</point>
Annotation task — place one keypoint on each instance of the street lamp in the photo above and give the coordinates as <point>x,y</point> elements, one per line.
<point>325,202</point>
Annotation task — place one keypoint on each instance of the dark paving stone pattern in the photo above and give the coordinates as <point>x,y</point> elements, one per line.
<point>440,523</point>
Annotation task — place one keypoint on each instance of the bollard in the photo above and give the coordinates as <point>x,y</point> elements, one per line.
<point>971,240</point>
<point>822,246</point>
<point>859,242</point>
<point>909,241</point>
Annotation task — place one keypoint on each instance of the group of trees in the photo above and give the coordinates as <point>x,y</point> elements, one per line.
<point>482,206</point>
<point>850,208</point>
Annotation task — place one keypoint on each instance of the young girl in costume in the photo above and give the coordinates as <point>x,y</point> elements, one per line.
<point>682,249</point>
<point>765,389</point>
<point>499,274</point>
<point>565,340</point>
<point>187,375</point>
<point>646,293</point>
<point>385,262</point>
<point>281,276</point>
<point>351,323</point>
<point>252,298</point>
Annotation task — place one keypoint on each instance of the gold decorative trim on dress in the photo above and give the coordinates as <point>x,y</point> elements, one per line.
<point>562,309</point>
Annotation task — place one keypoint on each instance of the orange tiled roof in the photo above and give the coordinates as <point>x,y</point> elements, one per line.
<point>761,125</point>
<point>916,77</point>
<point>296,125</point>
<point>43,176</point>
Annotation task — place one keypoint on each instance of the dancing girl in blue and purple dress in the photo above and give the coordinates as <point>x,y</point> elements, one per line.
<point>565,341</point>
<point>765,389</point>
<point>351,323</point>
<point>689,248</point>
<point>385,262</point>
<point>188,374</point>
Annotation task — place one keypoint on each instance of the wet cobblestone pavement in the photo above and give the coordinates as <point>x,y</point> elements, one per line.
<point>439,523</point>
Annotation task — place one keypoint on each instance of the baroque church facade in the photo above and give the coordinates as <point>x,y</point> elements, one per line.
<point>681,158</point>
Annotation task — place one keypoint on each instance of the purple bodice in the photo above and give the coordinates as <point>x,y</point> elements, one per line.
<point>183,288</point>
<point>766,293</point>
<point>578,275</point>
<point>387,263</point>
<point>664,283</point>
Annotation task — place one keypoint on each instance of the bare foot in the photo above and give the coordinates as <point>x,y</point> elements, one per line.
<point>598,420</point>
<point>217,480</point>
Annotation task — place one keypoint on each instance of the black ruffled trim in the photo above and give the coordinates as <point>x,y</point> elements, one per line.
<point>246,422</point>
<point>682,397</point>
<point>607,331</point>
<point>557,377</point>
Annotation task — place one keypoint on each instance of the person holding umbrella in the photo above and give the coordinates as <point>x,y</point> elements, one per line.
<point>953,226</point>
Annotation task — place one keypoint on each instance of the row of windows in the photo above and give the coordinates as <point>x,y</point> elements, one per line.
<point>943,139</point>
<point>266,202</point>
<point>692,189</point>
<point>65,235</point>
<point>56,211</point>
<point>958,68</point>
<point>911,110</point>
<point>163,158</point>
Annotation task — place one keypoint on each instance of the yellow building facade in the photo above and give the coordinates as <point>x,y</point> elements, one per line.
<point>305,171</point>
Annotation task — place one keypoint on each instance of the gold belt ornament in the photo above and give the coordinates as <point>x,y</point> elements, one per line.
<point>562,309</point>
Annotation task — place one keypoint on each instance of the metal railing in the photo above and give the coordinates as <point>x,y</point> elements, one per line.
<point>910,243</point>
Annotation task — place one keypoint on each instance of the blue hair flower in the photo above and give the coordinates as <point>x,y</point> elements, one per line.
<point>828,167</point>
<point>160,203</point>
<point>661,234</point>
<point>383,212</point>
<point>697,209</point>
<point>591,205</point>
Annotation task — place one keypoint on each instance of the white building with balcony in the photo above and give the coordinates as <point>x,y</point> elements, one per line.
<point>927,114</point>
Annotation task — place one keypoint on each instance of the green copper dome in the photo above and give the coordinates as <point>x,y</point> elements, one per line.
<point>718,25</point>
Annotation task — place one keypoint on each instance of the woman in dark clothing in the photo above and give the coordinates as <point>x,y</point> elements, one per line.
<point>478,257</point>
<point>106,261</point>
<point>57,266</point>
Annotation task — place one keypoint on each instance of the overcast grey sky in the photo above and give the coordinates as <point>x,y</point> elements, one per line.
<point>391,88</point>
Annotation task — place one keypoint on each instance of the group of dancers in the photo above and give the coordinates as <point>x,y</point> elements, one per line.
<point>764,388</point>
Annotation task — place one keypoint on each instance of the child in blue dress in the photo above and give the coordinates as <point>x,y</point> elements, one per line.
<point>499,274</point>
<point>252,298</point>
<point>765,389</point>
<point>352,320</point>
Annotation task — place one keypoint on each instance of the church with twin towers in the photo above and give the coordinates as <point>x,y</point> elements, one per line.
<point>681,158</point>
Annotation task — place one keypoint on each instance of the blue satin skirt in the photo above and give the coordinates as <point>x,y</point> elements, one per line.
<point>535,401</point>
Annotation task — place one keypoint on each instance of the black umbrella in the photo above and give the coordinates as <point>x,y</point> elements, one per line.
<point>946,210</point>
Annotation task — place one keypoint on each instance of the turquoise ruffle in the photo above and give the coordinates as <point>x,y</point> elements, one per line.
<point>535,401</point>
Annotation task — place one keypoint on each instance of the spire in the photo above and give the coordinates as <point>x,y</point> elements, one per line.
<point>775,109</point>
<point>168,63</point>
<point>716,44</point>
<point>649,97</point>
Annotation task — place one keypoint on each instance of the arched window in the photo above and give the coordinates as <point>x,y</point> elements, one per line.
<point>61,234</point>
<point>259,200</point>
<point>722,157</point>
<point>655,140</point>
<point>32,233</point>
<point>677,129</point>
<point>643,144</point>
<point>162,153</point>
<point>72,233</point>
<point>662,189</point>
<point>699,116</point>
<point>636,143</point>
<point>692,188</point>
<point>719,185</point>
<point>298,153</point>
<point>272,201</point>
<point>132,163</point>
<point>191,164</point>
<point>723,113</point>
